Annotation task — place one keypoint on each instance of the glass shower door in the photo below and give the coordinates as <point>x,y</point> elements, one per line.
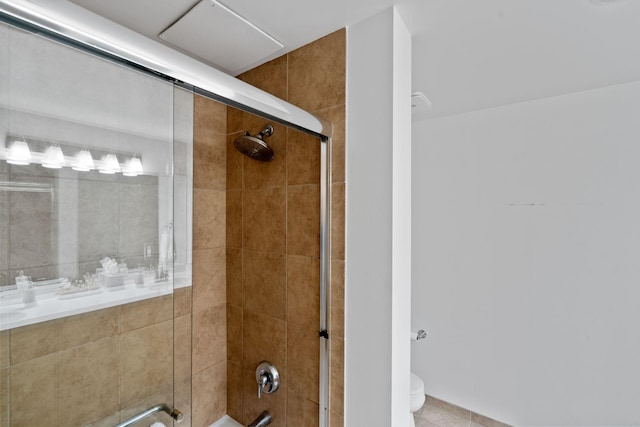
<point>87,247</point>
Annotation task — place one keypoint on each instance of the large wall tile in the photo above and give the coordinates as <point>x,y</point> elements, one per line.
<point>4,349</point>
<point>317,73</point>
<point>87,390</point>
<point>302,412</point>
<point>234,276</point>
<point>235,161</point>
<point>209,222</point>
<point>234,219</point>
<point>32,392</point>
<point>182,301</point>
<point>303,158</point>
<point>265,338</point>
<point>182,348</point>
<point>264,283</point>
<point>209,116</point>
<point>209,395</point>
<point>209,337</point>
<point>303,291</point>
<point>234,333</point>
<point>234,391</point>
<point>33,341</point>
<point>263,219</point>
<point>336,378</point>
<point>336,420</point>
<point>145,313</point>
<point>303,220</point>
<point>88,327</point>
<point>337,221</point>
<point>336,318</point>
<point>303,361</point>
<point>4,397</point>
<point>210,162</point>
<point>146,361</point>
<point>209,278</point>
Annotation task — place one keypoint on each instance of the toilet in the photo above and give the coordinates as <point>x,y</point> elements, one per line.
<point>416,397</point>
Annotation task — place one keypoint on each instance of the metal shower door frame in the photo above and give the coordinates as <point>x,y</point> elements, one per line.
<point>34,17</point>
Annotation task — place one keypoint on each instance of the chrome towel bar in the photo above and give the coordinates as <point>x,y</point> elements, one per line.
<point>173,412</point>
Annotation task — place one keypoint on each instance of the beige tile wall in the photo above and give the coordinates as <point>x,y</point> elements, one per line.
<point>209,317</point>
<point>273,252</point>
<point>91,369</point>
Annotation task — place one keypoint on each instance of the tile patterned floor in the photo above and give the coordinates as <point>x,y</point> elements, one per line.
<point>437,413</point>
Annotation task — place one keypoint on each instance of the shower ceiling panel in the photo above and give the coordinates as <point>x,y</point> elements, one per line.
<point>219,36</point>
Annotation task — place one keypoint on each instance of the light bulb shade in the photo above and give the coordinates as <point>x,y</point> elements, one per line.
<point>19,153</point>
<point>83,162</point>
<point>53,158</point>
<point>133,167</point>
<point>110,164</point>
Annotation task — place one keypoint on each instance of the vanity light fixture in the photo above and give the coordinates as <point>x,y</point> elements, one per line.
<point>133,167</point>
<point>83,161</point>
<point>53,157</point>
<point>110,164</point>
<point>19,153</point>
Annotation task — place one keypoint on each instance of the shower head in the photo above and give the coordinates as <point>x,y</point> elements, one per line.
<point>255,146</point>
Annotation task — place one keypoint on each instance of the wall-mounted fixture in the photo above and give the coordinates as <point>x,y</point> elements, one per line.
<point>133,167</point>
<point>53,158</point>
<point>83,161</point>
<point>24,151</point>
<point>255,146</point>
<point>267,377</point>
<point>109,164</point>
<point>19,153</point>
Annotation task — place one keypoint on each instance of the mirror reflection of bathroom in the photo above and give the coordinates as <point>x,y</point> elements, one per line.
<point>86,179</point>
<point>86,185</point>
<point>95,237</point>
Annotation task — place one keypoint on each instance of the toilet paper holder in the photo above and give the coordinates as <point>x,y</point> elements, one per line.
<point>418,335</point>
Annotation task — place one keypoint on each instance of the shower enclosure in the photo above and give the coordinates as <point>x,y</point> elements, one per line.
<point>143,260</point>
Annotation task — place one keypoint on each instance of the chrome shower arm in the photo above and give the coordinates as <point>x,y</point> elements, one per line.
<point>173,412</point>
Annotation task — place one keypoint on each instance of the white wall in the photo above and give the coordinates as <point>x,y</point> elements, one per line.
<point>378,233</point>
<point>401,223</point>
<point>526,259</point>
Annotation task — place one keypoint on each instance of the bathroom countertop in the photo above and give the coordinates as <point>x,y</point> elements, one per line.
<point>50,306</point>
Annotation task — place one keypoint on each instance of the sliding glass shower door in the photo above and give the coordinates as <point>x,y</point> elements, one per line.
<point>88,256</point>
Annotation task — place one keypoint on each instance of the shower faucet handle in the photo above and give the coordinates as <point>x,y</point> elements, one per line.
<point>262,383</point>
<point>267,377</point>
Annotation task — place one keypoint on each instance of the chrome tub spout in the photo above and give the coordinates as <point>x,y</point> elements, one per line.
<point>263,420</point>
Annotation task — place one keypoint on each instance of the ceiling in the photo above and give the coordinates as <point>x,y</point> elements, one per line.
<point>467,54</point>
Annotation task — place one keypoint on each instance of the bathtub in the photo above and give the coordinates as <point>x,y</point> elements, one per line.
<point>226,421</point>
